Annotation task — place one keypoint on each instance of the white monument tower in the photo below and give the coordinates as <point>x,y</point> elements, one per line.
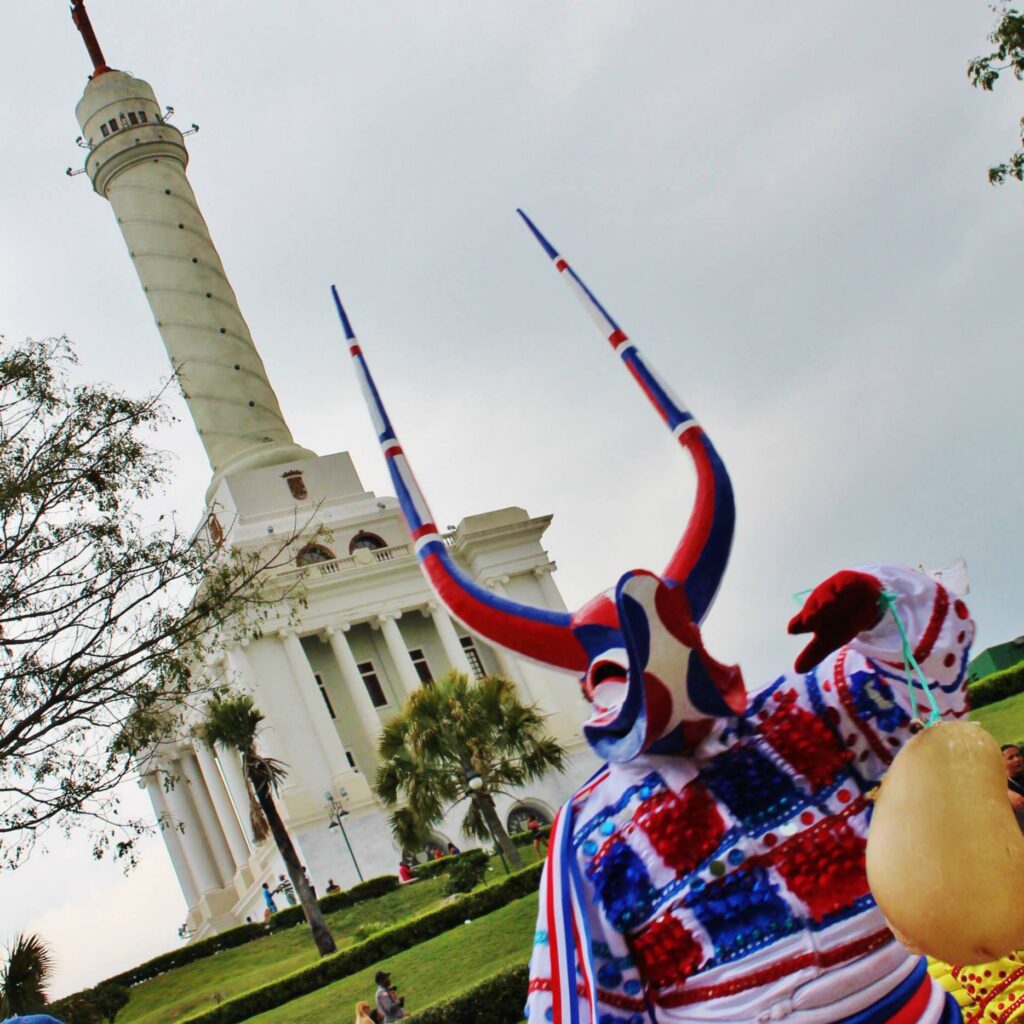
<point>372,632</point>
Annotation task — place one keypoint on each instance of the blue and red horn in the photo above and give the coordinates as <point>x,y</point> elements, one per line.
<point>553,638</point>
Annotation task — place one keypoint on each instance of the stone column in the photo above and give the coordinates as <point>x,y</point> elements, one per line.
<point>231,765</point>
<point>450,640</point>
<point>506,661</point>
<point>354,684</point>
<point>208,818</point>
<point>222,805</point>
<point>196,854</point>
<point>316,710</point>
<point>240,669</point>
<point>172,838</point>
<point>399,652</point>
<point>548,586</point>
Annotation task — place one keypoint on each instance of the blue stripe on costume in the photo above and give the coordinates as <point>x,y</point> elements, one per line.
<point>883,1010</point>
<point>704,578</point>
<point>674,416</point>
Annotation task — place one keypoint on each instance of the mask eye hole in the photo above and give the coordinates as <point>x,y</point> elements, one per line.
<point>606,670</point>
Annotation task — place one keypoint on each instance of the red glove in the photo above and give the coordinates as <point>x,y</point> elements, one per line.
<point>835,612</point>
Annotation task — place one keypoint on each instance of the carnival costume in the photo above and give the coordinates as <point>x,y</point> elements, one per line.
<point>713,870</point>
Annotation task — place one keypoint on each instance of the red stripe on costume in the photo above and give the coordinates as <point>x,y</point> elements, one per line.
<point>828,958</point>
<point>552,869</point>
<point>839,681</point>
<point>931,634</point>
<point>395,449</point>
<point>561,265</point>
<point>355,350</point>
<point>910,1012</point>
<point>542,641</point>
<point>663,413</point>
<point>422,531</point>
<point>698,529</point>
<point>617,337</point>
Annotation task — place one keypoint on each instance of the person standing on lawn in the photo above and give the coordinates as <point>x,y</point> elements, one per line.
<point>389,1003</point>
<point>285,886</point>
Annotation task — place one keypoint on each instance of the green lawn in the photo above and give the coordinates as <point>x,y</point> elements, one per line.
<point>428,973</point>
<point>202,984</point>
<point>1004,719</point>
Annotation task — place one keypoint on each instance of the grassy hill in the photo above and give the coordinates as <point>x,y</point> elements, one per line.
<point>428,973</point>
<point>205,983</point>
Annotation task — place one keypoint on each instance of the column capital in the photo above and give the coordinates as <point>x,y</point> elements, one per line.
<point>285,632</point>
<point>492,582</point>
<point>544,570</point>
<point>377,622</point>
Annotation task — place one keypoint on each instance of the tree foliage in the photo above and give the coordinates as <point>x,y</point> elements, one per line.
<point>102,615</point>
<point>25,975</point>
<point>448,731</point>
<point>983,72</point>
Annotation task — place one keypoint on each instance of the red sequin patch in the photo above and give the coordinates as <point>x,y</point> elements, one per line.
<point>805,742</point>
<point>666,953</point>
<point>685,828</point>
<point>824,867</point>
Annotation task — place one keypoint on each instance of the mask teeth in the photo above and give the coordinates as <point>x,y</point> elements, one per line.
<point>699,561</point>
<point>540,634</point>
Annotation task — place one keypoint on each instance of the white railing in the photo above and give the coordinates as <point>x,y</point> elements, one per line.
<point>395,553</point>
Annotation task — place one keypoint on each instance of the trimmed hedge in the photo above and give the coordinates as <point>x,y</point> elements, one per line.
<point>368,890</point>
<point>997,686</point>
<point>287,918</point>
<point>443,865</point>
<point>375,949</point>
<point>500,999</point>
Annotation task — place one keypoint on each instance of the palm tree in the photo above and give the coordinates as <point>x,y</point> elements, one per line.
<point>23,979</point>
<point>446,737</point>
<point>233,721</point>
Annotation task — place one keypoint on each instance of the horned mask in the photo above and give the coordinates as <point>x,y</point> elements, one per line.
<point>637,648</point>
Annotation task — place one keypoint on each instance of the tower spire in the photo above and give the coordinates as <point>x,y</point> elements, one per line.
<point>137,162</point>
<point>80,16</point>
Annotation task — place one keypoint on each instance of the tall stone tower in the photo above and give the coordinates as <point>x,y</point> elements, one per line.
<point>137,162</point>
<point>328,675</point>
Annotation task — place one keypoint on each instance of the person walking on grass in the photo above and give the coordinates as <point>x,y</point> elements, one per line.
<point>538,840</point>
<point>268,899</point>
<point>390,1004</point>
<point>287,888</point>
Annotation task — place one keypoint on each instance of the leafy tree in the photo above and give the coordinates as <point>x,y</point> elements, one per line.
<point>445,735</point>
<point>234,721</point>
<point>101,615</point>
<point>25,975</point>
<point>984,72</point>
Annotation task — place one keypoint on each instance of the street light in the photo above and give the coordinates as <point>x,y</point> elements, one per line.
<point>336,812</point>
<point>476,787</point>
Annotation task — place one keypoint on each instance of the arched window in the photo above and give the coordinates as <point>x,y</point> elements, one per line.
<point>370,541</point>
<point>311,554</point>
<point>521,814</point>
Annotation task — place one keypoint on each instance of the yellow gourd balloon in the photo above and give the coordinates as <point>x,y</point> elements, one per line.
<point>945,857</point>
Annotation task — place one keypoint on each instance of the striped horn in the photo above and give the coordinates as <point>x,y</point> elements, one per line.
<point>698,563</point>
<point>540,634</point>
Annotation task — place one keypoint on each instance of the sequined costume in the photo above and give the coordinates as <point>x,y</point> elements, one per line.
<point>714,869</point>
<point>729,884</point>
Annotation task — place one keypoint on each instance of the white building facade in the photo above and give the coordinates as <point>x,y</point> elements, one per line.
<point>328,674</point>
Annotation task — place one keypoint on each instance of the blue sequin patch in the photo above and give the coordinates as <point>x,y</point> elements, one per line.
<point>753,788</point>
<point>590,847</point>
<point>540,939</point>
<point>622,886</point>
<point>632,987</point>
<point>742,912</point>
<point>609,976</point>
<point>875,701</point>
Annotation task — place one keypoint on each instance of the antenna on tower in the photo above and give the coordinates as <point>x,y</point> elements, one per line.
<point>80,17</point>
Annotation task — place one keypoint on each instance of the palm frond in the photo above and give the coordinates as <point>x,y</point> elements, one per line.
<point>25,976</point>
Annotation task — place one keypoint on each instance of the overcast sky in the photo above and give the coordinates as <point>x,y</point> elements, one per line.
<point>785,205</point>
